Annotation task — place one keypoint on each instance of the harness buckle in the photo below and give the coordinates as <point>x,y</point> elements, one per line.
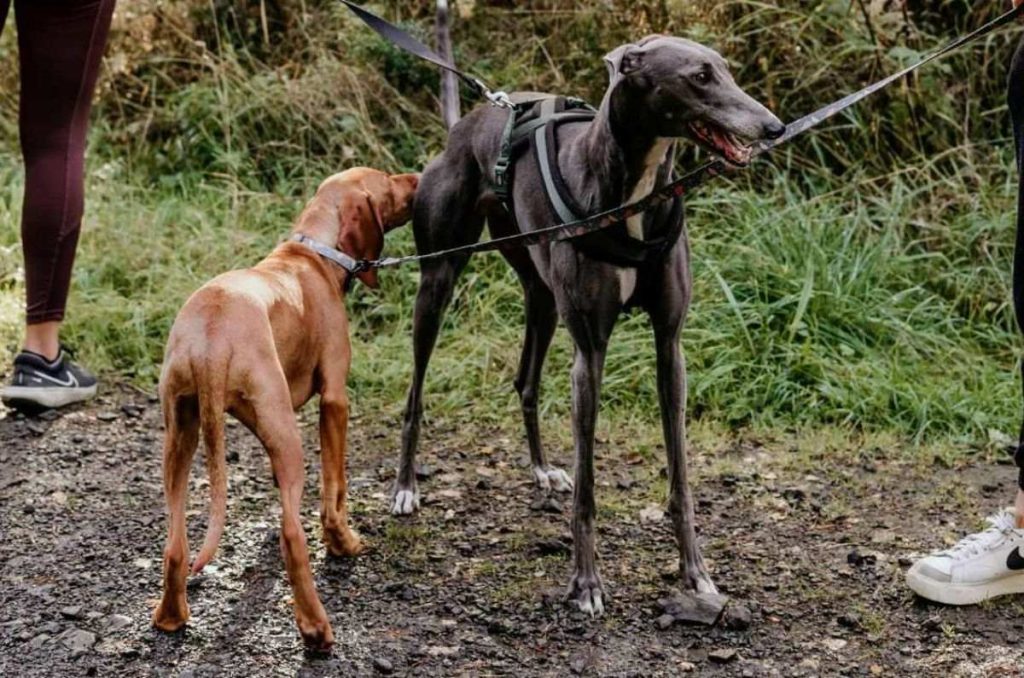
<point>501,177</point>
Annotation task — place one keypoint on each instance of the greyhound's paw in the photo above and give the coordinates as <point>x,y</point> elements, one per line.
<point>552,478</point>
<point>405,502</point>
<point>698,582</point>
<point>585,592</point>
<point>170,616</point>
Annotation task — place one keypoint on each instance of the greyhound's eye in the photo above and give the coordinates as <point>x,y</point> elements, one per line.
<point>702,77</point>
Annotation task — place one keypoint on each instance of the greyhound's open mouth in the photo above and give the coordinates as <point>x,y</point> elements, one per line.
<point>728,145</point>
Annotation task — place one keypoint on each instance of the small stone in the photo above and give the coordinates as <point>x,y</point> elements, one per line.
<point>652,514</point>
<point>131,410</point>
<point>106,416</point>
<point>722,656</point>
<point>71,612</point>
<point>38,641</point>
<point>665,621</point>
<point>36,429</point>
<point>687,667</point>
<point>876,670</point>
<point>442,651</point>
<point>624,483</point>
<point>850,620</point>
<point>383,666</point>
<point>547,504</point>
<point>78,641</point>
<point>699,608</point>
<point>737,618</point>
<point>423,471</point>
<point>116,622</point>
<point>857,559</point>
<point>50,627</point>
<point>834,644</point>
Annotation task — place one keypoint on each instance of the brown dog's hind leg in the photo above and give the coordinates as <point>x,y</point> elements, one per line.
<point>277,429</point>
<point>341,540</point>
<point>181,437</point>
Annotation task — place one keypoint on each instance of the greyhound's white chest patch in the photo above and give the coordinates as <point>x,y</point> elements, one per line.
<point>656,156</point>
<point>627,283</point>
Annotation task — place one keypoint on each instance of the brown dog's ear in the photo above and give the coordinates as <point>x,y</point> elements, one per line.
<point>360,232</point>
<point>369,278</point>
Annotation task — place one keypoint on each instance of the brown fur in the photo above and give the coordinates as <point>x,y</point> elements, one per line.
<point>258,343</point>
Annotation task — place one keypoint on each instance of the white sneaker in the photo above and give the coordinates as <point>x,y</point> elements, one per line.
<point>979,567</point>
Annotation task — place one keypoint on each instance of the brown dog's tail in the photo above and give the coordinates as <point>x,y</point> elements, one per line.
<point>211,422</point>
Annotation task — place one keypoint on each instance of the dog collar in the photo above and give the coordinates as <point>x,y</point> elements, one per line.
<point>337,256</point>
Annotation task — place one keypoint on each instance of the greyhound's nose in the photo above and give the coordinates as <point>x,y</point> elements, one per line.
<point>774,129</point>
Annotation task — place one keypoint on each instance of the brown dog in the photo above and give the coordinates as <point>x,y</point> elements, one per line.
<point>258,343</point>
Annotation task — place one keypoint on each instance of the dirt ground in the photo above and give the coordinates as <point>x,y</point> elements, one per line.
<point>811,542</point>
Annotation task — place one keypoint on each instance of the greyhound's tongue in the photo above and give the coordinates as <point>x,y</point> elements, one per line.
<point>732,152</point>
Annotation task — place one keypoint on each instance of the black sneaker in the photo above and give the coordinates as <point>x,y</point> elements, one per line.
<point>41,384</point>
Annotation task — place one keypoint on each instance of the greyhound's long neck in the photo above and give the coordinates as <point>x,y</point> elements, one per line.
<point>625,162</point>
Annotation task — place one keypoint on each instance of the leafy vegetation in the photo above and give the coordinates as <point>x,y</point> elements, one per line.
<point>859,277</point>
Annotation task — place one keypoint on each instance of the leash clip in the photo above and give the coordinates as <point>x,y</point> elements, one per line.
<point>499,98</point>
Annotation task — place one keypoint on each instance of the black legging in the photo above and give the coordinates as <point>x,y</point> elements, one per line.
<point>60,43</point>
<point>1015,99</point>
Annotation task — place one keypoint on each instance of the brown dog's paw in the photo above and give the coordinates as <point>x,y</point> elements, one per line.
<point>345,544</point>
<point>317,635</point>
<point>170,617</point>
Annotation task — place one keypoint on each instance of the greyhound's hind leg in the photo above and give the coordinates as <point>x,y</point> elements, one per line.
<point>445,216</point>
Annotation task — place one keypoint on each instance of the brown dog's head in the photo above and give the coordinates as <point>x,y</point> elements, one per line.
<point>355,208</point>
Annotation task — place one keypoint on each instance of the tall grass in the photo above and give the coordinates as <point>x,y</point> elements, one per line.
<point>858,277</point>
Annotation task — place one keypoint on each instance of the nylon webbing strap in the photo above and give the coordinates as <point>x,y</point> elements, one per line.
<point>677,188</point>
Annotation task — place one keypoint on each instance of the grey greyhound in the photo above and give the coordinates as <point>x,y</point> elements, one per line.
<point>662,89</point>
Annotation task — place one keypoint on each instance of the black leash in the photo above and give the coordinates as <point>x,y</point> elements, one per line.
<point>400,38</point>
<point>670,191</point>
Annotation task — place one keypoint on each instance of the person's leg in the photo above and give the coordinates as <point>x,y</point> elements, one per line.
<point>60,45</point>
<point>1015,100</point>
<point>989,563</point>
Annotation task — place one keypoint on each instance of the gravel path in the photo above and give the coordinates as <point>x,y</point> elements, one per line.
<point>809,545</point>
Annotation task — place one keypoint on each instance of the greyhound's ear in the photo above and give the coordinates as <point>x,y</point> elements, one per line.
<point>622,60</point>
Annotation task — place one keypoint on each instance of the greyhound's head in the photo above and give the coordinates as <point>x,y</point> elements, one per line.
<point>678,88</point>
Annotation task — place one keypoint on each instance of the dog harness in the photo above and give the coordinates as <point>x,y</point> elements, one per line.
<point>535,122</point>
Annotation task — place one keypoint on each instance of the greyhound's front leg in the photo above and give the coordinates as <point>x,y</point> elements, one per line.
<point>672,398</point>
<point>585,587</point>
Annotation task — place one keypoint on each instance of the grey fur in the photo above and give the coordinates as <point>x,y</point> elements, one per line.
<point>653,95</point>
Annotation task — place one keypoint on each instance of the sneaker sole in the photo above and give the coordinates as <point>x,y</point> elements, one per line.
<point>963,594</point>
<point>19,397</point>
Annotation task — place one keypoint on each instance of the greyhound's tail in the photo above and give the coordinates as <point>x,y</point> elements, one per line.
<point>211,422</point>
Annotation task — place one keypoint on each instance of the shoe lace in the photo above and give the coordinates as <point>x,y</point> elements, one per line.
<point>1001,527</point>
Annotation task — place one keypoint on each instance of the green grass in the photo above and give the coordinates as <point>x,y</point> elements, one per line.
<point>859,278</point>
<point>852,307</point>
